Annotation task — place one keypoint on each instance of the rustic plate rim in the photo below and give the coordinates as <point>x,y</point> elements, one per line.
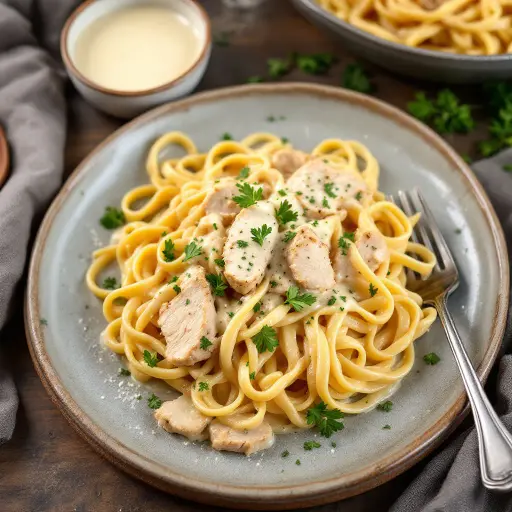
<point>4,157</point>
<point>261,497</point>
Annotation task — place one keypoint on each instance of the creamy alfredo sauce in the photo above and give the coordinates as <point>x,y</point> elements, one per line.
<point>137,48</point>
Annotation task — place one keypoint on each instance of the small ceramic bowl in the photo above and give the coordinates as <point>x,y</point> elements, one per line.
<point>415,62</point>
<point>129,104</point>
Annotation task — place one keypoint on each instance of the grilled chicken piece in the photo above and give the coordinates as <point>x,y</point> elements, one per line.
<point>241,441</point>
<point>324,191</point>
<point>308,259</point>
<point>220,200</point>
<point>187,318</point>
<point>181,417</point>
<point>373,249</point>
<point>245,260</point>
<point>287,161</point>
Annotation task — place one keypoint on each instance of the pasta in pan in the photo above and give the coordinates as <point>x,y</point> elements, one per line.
<point>471,27</point>
<point>265,284</point>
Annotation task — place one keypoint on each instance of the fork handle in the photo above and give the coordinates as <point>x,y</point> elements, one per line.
<point>494,440</point>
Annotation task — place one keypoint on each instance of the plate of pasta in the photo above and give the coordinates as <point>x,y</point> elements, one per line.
<point>457,41</point>
<point>218,300</point>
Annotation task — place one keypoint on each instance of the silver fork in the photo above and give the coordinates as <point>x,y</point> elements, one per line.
<point>494,441</point>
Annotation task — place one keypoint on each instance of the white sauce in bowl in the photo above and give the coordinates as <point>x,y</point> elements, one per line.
<point>137,48</point>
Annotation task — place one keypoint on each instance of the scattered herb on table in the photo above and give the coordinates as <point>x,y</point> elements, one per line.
<point>285,453</point>
<point>385,406</point>
<point>309,445</point>
<point>123,372</point>
<point>222,38</point>
<point>386,427</point>
<point>154,402</point>
<point>355,78</point>
<point>226,136</point>
<point>326,420</point>
<point>432,358</point>
<point>112,218</point>
<point>316,63</point>
<point>255,79</point>
<point>279,67</point>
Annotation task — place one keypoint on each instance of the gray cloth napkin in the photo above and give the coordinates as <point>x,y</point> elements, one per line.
<point>33,115</point>
<point>32,110</point>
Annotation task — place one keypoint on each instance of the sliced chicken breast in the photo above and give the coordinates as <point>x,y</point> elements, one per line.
<point>241,441</point>
<point>308,259</point>
<point>187,318</point>
<point>245,259</point>
<point>281,277</point>
<point>181,417</point>
<point>324,191</point>
<point>287,161</point>
<point>373,249</point>
<point>220,200</point>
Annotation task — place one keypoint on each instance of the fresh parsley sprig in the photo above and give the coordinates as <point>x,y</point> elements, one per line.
<point>217,284</point>
<point>432,358</point>
<point>248,195</point>
<point>154,402</point>
<point>205,343</point>
<point>285,213</point>
<point>150,359</point>
<point>344,242</point>
<point>298,300</point>
<point>326,420</point>
<point>259,234</point>
<point>316,63</point>
<point>168,251</point>
<point>192,250</point>
<point>355,78</point>
<point>266,339</point>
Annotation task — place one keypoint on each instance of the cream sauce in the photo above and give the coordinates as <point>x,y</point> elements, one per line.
<point>137,48</point>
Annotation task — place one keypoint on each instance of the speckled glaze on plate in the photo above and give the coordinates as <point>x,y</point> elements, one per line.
<point>82,377</point>
<point>415,62</point>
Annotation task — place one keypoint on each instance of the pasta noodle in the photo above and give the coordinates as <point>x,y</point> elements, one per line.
<point>471,27</point>
<point>349,349</point>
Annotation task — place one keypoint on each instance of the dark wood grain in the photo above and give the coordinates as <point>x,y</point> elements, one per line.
<point>46,466</point>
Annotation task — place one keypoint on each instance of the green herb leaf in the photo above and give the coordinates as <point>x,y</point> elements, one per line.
<point>259,234</point>
<point>297,300</point>
<point>252,375</point>
<point>281,192</point>
<point>248,195</point>
<point>356,79</point>
<point>168,251</point>
<point>344,242</point>
<point>221,39</point>
<point>220,262</point>
<point>217,284</point>
<point>43,321</point>
<point>278,67</point>
<point>315,64</point>
<point>150,359</point>
<point>328,188</point>
<point>112,218</point>
<point>507,167</point>
<point>255,79</point>
<point>297,462</point>
<point>326,420</point>
<point>205,343</point>
<point>372,290</point>
<point>432,358</point>
<point>226,136</point>
<point>285,213</point>
<point>386,427</point>
<point>203,386</point>
<point>110,283</point>
<point>192,250</point>
<point>244,173</point>
<point>289,236</point>
<point>256,307</point>
<point>385,406</point>
<point>332,300</point>
<point>154,402</point>
<point>285,453</point>
<point>123,372</point>
<point>266,339</point>
<point>309,445</point>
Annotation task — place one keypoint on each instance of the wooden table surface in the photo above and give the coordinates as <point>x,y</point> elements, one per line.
<point>47,466</point>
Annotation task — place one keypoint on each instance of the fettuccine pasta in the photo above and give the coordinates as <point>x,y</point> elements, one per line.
<point>471,27</point>
<point>265,284</point>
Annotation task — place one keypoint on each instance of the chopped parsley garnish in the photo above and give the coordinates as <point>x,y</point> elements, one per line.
<point>445,113</point>
<point>226,136</point>
<point>248,195</point>
<point>328,190</point>
<point>359,196</point>
<point>355,78</point>
<point>176,288</point>
<point>297,462</point>
<point>297,300</point>
<point>154,402</point>
<point>173,280</point>
<point>168,251</point>
<point>372,290</point>
<point>242,243</point>
<point>252,375</point>
<point>110,283</point>
<point>273,284</point>
<point>220,262</point>
<point>139,397</point>
<point>217,284</point>
<point>123,372</point>
<point>285,140</point>
<point>150,359</point>
<point>385,406</point>
<point>432,358</point>
<point>278,67</point>
<point>315,64</point>
<point>255,79</point>
<point>344,242</point>
<point>285,453</point>
<point>281,192</point>
<point>386,427</point>
<point>205,343</point>
<point>285,213</point>
<point>203,386</point>
<point>332,300</point>
<point>266,339</point>
<point>289,236</point>
<point>43,321</point>
<point>244,173</point>
<point>112,218</point>
<point>231,314</point>
<point>325,203</point>
<point>325,419</point>
<point>309,445</point>
<point>256,307</point>
<point>222,38</point>
<point>333,444</point>
<point>187,302</point>
<point>259,234</point>
<point>192,250</point>
<point>458,231</point>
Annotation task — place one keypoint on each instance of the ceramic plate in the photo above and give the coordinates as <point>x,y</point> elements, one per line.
<point>416,62</point>
<point>82,376</point>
